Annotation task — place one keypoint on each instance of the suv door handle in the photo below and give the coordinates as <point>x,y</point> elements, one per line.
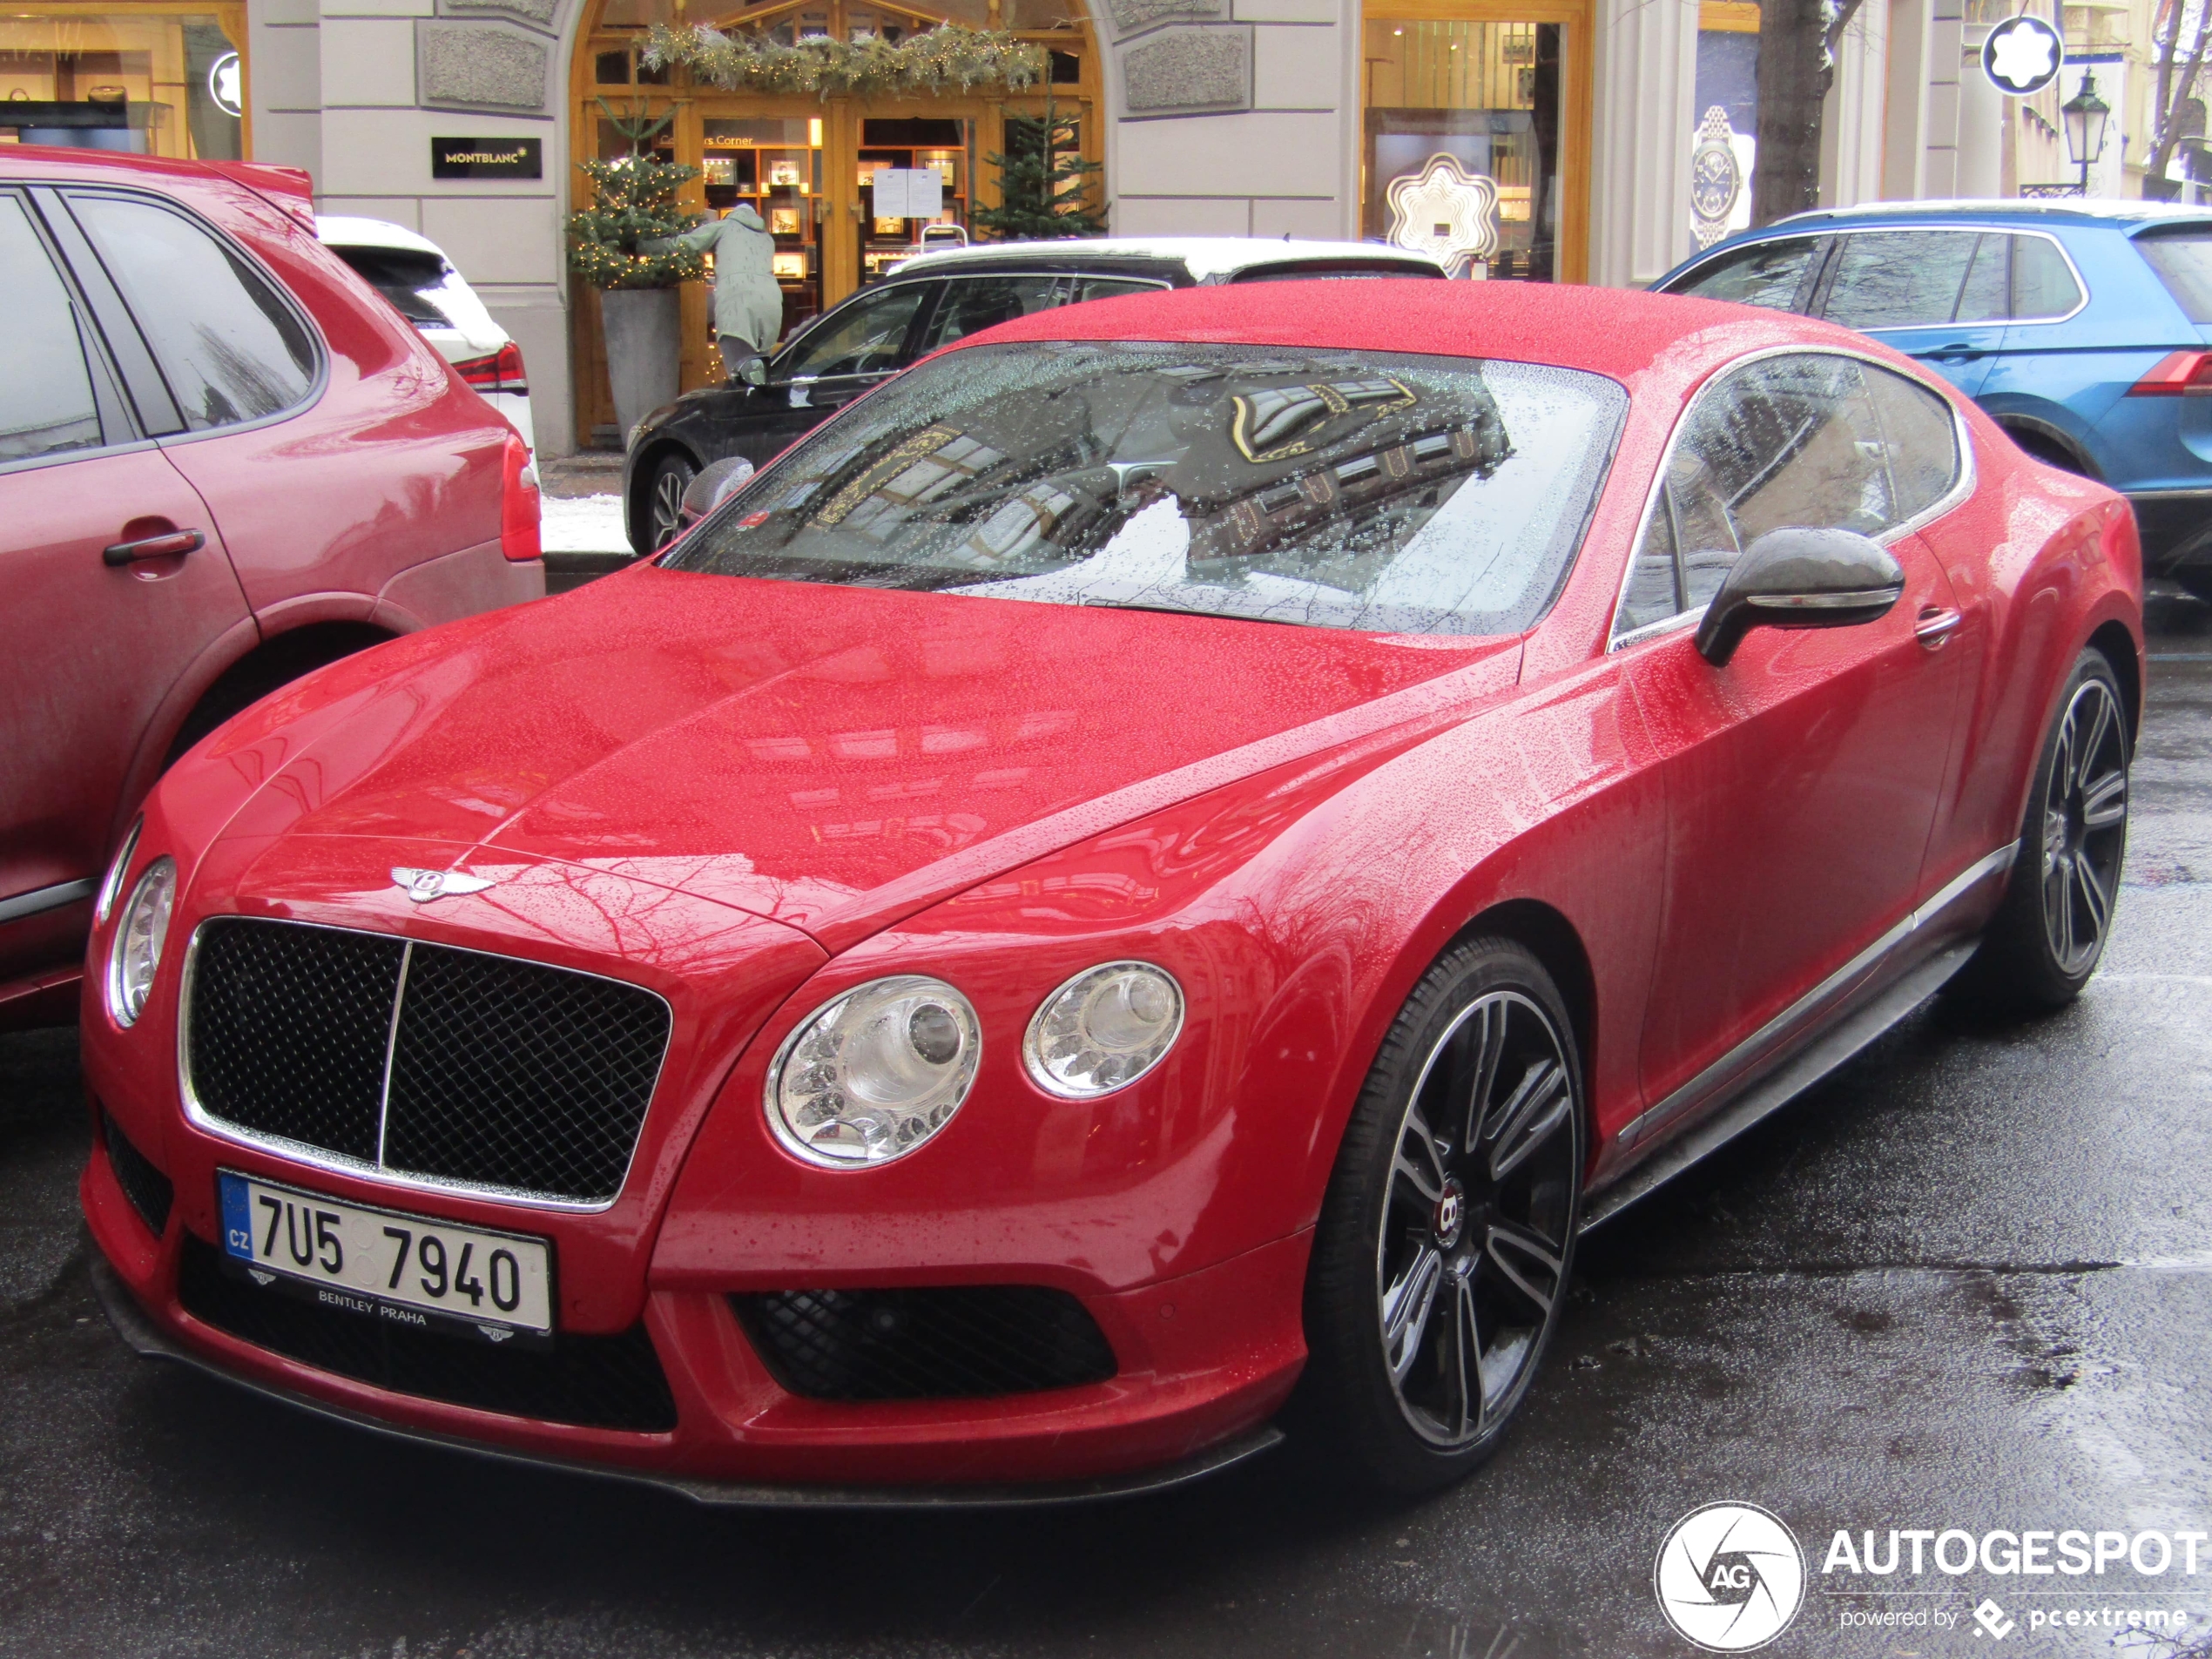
<point>167,546</point>
<point>1957,349</point>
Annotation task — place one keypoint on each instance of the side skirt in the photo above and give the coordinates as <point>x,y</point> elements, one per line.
<point>1836,1046</point>
<point>1768,1070</point>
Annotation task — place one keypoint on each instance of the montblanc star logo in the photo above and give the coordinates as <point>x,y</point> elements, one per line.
<point>2022,55</point>
<point>422,885</point>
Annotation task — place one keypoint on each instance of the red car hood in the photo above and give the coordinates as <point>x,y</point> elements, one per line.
<point>830,758</point>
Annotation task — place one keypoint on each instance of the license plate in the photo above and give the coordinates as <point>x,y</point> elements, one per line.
<point>409,1270</point>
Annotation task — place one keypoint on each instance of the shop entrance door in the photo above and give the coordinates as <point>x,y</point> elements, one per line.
<point>847,186</point>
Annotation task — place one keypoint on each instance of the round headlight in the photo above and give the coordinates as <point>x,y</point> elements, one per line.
<point>137,941</point>
<point>111,884</point>
<point>1103,1029</point>
<point>872,1075</point>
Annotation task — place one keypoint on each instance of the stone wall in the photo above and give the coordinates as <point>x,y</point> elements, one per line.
<point>353,90</point>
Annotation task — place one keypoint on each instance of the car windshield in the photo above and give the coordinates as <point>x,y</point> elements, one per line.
<point>1335,489</point>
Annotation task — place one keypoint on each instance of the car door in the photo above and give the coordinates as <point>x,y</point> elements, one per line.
<point>1803,777</point>
<point>1938,295</point>
<point>114,583</point>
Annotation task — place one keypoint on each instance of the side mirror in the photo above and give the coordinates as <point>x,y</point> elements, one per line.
<point>755,371</point>
<point>1799,578</point>
<point>720,480</point>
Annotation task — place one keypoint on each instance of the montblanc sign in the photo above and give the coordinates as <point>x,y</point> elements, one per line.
<point>487,158</point>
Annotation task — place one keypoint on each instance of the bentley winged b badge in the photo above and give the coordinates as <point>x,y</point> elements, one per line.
<point>422,885</point>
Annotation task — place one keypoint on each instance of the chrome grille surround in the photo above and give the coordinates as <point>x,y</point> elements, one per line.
<point>385,1034</point>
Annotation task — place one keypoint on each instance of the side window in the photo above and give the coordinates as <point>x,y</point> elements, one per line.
<point>865,338</point>
<point>1109,287</point>
<point>1809,440</point>
<point>1766,273</point>
<point>229,349</point>
<point>1987,296</point>
<point>972,304</point>
<point>1899,278</point>
<point>1920,437</point>
<point>46,403</point>
<point>2043,284</point>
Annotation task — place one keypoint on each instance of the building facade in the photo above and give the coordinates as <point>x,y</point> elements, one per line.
<point>1568,140</point>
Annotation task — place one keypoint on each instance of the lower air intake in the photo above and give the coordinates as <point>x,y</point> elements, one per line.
<point>960,1342</point>
<point>148,1190</point>
<point>592,1382</point>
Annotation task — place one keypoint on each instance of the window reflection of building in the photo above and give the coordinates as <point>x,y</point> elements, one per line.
<point>160,82</point>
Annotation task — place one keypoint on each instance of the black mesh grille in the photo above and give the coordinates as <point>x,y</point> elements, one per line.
<point>288,1029</point>
<point>593,1382</point>
<point>502,1073</point>
<point>146,1188</point>
<point>520,1076</point>
<point>950,1343</point>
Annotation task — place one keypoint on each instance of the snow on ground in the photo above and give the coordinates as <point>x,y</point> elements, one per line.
<point>582,525</point>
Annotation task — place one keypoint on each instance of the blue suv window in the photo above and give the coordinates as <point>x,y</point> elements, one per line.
<point>1924,279</point>
<point>2183,261</point>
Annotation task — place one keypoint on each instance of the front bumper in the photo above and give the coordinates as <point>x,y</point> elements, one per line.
<point>1204,1360</point>
<point>145,1338</point>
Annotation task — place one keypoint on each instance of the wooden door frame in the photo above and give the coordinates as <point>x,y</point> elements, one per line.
<point>1576,102</point>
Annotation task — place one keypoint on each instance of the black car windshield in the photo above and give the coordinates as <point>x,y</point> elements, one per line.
<point>1335,489</point>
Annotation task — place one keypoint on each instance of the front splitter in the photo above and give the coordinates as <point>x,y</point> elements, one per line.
<point>146,1338</point>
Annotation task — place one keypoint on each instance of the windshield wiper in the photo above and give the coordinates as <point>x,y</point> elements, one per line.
<point>1184,611</point>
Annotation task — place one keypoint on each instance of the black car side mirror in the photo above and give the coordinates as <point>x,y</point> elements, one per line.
<point>719,481</point>
<point>755,371</point>
<point>1799,578</point>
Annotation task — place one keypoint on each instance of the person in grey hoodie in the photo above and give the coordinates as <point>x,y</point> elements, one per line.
<point>748,305</point>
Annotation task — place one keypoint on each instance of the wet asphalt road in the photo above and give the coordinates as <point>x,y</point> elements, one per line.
<point>1966,1282</point>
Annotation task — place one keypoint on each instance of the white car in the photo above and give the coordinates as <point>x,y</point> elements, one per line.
<point>414,273</point>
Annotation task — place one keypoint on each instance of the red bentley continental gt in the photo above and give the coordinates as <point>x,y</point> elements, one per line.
<point>1159,867</point>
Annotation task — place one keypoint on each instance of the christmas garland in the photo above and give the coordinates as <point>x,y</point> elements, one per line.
<point>945,59</point>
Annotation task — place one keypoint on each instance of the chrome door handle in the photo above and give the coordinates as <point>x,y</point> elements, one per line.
<point>167,546</point>
<point>1936,625</point>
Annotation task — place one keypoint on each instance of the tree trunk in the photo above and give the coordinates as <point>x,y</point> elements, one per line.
<point>1792,82</point>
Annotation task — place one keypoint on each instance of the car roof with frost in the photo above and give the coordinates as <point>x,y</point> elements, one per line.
<point>1614,331</point>
<point>1204,257</point>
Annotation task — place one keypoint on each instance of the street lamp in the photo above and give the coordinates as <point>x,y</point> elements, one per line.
<point>2086,115</point>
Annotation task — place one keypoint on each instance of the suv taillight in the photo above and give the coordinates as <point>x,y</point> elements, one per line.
<point>518,536</point>
<point>500,372</point>
<point>2181,374</point>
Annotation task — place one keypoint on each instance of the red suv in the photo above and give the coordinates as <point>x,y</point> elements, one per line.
<point>224,461</point>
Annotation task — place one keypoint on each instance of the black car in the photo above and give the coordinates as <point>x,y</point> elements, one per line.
<point>929,302</point>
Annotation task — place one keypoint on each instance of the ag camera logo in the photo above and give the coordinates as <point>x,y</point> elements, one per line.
<point>1730,1577</point>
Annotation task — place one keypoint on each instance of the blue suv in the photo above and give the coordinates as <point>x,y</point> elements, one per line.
<point>2083,328</point>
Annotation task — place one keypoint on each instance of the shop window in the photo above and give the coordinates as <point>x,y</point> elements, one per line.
<point>158,84</point>
<point>611,69</point>
<point>1462,143</point>
<point>1066,69</point>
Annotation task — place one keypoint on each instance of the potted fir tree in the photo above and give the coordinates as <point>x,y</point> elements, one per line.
<point>634,202</point>
<point>1043,181</point>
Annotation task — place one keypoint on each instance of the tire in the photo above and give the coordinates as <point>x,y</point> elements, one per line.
<point>653,519</point>
<point>2051,929</point>
<point>1398,1271</point>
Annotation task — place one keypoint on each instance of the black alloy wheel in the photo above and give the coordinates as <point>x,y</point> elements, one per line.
<point>1447,1237</point>
<point>2085,827</point>
<point>665,483</point>
<point>2050,930</point>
